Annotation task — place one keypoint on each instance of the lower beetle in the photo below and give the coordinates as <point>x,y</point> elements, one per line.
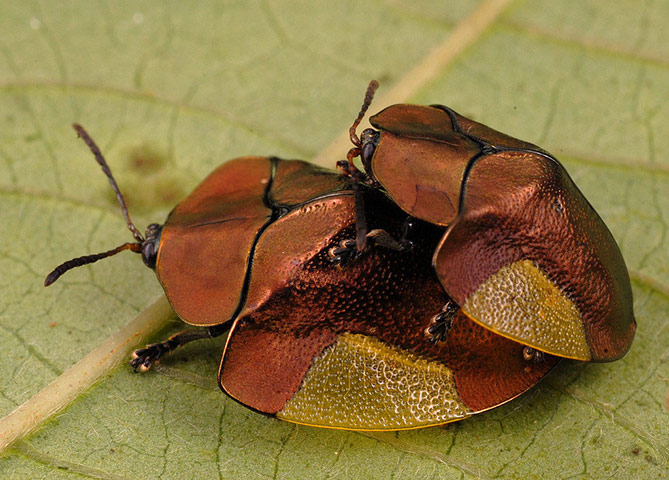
<point>319,335</point>
<point>524,254</point>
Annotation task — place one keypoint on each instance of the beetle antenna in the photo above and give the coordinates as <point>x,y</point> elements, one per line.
<point>83,134</point>
<point>86,259</point>
<point>369,95</point>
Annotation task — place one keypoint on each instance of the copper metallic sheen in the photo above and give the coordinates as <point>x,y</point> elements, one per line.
<point>505,201</point>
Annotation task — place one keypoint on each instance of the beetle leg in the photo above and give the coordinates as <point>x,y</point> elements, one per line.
<point>343,167</point>
<point>532,355</point>
<point>344,252</point>
<point>348,168</point>
<point>440,324</point>
<point>383,238</point>
<point>144,358</point>
<point>361,233</point>
<point>347,249</point>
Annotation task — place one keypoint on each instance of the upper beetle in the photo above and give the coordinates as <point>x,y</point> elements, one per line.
<point>257,250</point>
<point>523,253</point>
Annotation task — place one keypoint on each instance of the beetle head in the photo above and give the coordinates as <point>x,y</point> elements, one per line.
<point>369,139</point>
<point>147,246</point>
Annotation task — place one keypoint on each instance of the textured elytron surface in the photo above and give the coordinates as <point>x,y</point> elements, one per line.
<point>519,302</point>
<point>522,206</point>
<point>382,293</point>
<point>362,383</point>
<point>504,200</point>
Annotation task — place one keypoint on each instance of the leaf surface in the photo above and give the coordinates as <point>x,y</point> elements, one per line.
<point>170,90</point>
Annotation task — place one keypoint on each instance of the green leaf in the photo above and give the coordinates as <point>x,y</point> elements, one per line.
<point>170,90</point>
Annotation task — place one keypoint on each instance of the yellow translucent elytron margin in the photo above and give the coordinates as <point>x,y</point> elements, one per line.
<point>519,302</point>
<point>361,383</point>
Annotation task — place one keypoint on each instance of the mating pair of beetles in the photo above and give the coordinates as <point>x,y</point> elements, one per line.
<point>445,279</point>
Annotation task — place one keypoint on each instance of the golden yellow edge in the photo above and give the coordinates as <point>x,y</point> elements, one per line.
<point>380,429</point>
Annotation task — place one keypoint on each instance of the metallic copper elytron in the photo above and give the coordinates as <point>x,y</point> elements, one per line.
<point>298,306</point>
<point>524,253</point>
<point>321,333</point>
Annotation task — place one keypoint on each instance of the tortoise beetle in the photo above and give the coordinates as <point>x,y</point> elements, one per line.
<point>317,336</point>
<point>524,253</point>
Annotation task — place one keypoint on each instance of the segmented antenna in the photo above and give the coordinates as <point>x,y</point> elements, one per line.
<point>369,96</point>
<point>86,259</point>
<point>83,134</point>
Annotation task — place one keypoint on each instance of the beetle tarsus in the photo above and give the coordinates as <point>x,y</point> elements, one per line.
<point>532,355</point>
<point>348,249</point>
<point>488,149</point>
<point>344,252</point>
<point>441,323</point>
<point>439,327</point>
<point>343,167</point>
<point>144,358</point>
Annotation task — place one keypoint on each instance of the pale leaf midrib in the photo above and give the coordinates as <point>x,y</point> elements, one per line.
<point>82,375</point>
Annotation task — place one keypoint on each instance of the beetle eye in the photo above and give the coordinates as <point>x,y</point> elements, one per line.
<point>151,244</point>
<point>149,254</point>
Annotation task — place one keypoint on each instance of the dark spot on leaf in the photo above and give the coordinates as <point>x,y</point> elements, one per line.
<point>147,184</point>
<point>384,78</point>
<point>145,160</point>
